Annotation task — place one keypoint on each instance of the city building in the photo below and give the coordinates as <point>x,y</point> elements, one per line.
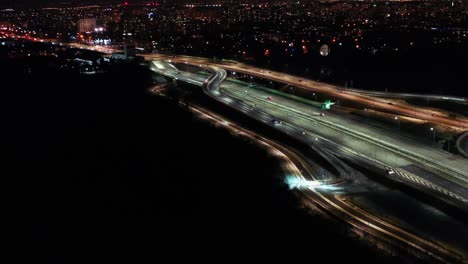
<point>86,25</point>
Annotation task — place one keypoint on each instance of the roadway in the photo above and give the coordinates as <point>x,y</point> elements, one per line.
<point>338,127</point>
<point>435,97</point>
<point>328,200</point>
<point>387,149</point>
<point>327,89</point>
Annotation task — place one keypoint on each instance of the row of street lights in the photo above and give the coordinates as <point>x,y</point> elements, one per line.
<point>431,129</point>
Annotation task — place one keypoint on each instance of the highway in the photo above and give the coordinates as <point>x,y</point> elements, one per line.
<point>435,117</point>
<point>435,97</point>
<point>335,132</point>
<point>386,146</point>
<point>305,175</point>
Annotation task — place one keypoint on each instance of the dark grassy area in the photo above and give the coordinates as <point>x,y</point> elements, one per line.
<point>103,171</point>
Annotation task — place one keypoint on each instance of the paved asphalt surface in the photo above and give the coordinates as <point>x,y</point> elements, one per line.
<point>326,194</point>
<point>312,122</point>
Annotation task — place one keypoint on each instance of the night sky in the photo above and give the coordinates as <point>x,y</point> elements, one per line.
<point>39,3</point>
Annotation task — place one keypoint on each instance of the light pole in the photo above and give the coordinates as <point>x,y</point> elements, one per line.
<point>398,120</point>
<point>434,135</point>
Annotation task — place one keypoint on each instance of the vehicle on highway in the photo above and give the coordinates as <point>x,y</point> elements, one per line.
<point>433,115</point>
<point>390,103</point>
<point>269,98</point>
<point>277,122</point>
<point>390,171</point>
<point>322,114</point>
<point>230,61</point>
<point>300,80</point>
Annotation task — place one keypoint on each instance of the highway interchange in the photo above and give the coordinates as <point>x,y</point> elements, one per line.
<point>339,140</point>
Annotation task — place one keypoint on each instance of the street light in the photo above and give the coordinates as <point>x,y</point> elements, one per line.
<point>397,119</point>
<point>367,114</point>
<point>433,133</point>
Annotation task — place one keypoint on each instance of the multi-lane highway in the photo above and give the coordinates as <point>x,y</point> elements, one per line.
<point>422,113</point>
<point>327,148</point>
<point>405,157</point>
<point>381,146</point>
<point>455,168</point>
